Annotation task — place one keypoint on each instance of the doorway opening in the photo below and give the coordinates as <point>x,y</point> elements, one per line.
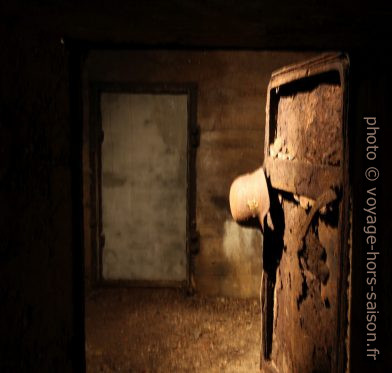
<point>140,198</point>
<point>141,184</point>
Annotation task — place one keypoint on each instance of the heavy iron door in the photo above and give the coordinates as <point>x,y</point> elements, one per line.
<point>304,186</point>
<point>143,144</point>
<point>306,263</point>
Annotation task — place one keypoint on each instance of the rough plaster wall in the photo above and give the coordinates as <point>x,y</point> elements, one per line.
<point>231,114</point>
<point>36,304</point>
<point>144,186</point>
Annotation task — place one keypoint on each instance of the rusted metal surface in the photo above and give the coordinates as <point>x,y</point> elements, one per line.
<point>249,196</point>
<point>305,255</point>
<point>306,128</point>
<point>302,178</point>
<point>302,285</point>
<point>305,294</point>
<point>96,137</point>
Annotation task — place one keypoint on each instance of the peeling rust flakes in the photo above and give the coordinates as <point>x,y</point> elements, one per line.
<point>309,299</point>
<point>303,117</point>
<point>309,260</point>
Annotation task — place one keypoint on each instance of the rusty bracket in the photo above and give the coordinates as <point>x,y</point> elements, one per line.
<point>324,199</point>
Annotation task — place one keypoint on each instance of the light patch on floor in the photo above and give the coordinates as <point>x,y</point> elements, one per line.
<point>161,330</point>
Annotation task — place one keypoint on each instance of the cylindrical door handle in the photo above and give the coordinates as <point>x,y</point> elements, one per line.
<point>249,196</point>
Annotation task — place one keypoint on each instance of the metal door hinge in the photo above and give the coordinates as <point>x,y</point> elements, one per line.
<point>194,243</point>
<point>195,137</point>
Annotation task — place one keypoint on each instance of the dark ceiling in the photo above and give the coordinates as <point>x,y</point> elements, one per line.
<point>210,24</point>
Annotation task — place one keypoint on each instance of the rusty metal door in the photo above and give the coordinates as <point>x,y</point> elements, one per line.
<point>144,185</point>
<point>143,146</point>
<point>306,237</point>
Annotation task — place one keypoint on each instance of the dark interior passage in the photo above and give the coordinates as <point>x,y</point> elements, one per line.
<point>43,45</point>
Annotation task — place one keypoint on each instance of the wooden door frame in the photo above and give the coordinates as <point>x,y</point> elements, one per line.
<point>95,140</point>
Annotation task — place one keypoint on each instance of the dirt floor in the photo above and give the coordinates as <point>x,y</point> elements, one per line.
<point>161,330</point>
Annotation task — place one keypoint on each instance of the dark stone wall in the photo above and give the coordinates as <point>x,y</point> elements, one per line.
<point>36,206</point>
